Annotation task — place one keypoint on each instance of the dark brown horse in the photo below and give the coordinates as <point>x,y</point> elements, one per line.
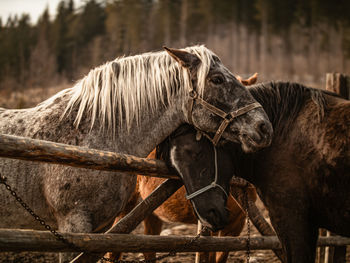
<point>177,209</point>
<point>304,176</point>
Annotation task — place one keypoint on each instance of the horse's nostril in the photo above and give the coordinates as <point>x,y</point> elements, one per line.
<point>244,135</point>
<point>262,128</point>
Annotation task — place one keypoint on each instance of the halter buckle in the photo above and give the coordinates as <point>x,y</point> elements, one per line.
<point>193,94</point>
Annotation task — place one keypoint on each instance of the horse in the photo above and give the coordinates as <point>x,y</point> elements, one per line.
<point>303,177</point>
<point>128,105</point>
<point>179,209</point>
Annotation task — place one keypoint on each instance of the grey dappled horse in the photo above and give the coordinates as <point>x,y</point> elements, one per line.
<point>128,105</point>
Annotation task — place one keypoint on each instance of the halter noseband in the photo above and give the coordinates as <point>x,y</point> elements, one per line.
<point>210,186</point>
<point>227,117</point>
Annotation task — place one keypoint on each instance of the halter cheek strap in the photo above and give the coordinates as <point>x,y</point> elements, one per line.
<point>227,117</point>
<point>210,186</point>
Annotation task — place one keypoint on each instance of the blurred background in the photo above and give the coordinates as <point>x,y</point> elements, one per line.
<point>296,40</point>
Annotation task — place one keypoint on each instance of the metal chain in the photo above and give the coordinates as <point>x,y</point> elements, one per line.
<point>246,201</point>
<point>60,238</point>
<point>42,222</point>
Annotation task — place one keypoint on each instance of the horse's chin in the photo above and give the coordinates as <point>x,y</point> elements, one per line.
<point>249,146</point>
<point>211,227</point>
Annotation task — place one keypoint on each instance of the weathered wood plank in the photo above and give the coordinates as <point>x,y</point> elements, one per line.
<point>29,240</point>
<point>146,207</point>
<point>338,83</point>
<point>23,148</point>
<point>43,151</point>
<point>320,257</point>
<point>263,226</point>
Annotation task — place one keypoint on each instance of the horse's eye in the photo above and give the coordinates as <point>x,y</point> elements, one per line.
<point>217,80</point>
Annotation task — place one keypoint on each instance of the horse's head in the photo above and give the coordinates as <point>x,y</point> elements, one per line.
<point>218,103</point>
<point>206,174</point>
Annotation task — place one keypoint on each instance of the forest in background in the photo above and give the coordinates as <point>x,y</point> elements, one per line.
<point>297,40</point>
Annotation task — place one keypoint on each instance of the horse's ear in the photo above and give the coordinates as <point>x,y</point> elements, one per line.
<point>185,58</point>
<point>250,81</point>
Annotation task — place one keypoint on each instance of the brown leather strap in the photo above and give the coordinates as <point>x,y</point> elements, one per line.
<point>189,112</point>
<point>193,95</point>
<point>212,108</point>
<point>220,131</point>
<point>233,115</point>
<point>241,111</point>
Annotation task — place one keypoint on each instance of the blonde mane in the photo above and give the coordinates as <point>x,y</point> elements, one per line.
<point>124,87</point>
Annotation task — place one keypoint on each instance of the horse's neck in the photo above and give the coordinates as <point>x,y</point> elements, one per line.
<point>140,139</point>
<point>153,129</point>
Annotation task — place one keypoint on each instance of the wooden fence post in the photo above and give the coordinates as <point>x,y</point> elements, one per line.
<point>202,257</point>
<point>320,256</point>
<point>338,83</point>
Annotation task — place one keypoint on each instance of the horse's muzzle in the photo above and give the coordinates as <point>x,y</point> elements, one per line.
<point>257,138</point>
<point>217,219</point>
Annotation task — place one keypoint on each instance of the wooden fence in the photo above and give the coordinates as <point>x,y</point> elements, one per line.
<point>338,83</point>
<point>42,151</point>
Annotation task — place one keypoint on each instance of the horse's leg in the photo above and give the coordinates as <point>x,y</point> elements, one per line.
<point>152,226</point>
<point>115,255</point>
<point>129,206</point>
<point>74,222</point>
<point>237,218</point>
<point>297,234</point>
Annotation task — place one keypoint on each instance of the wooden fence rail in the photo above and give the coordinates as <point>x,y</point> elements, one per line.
<point>28,149</point>
<point>30,240</point>
<point>16,147</point>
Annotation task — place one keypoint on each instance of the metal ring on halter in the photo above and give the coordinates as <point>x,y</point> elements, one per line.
<point>210,186</point>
